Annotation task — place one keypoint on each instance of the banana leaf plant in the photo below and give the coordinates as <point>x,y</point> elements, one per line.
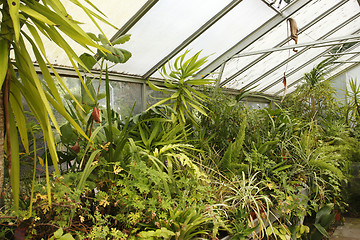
<point>22,25</point>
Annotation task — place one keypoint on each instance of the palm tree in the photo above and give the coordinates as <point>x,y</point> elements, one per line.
<point>316,90</point>
<point>50,19</point>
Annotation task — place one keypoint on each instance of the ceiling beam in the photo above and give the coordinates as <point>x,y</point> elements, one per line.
<point>332,69</point>
<point>317,43</point>
<point>308,46</point>
<point>303,29</point>
<point>251,38</point>
<point>339,54</point>
<point>322,54</point>
<point>347,61</point>
<point>192,37</point>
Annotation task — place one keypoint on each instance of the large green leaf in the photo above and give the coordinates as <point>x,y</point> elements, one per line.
<point>57,6</point>
<point>34,14</point>
<point>65,24</point>
<point>116,55</point>
<point>4,59</point>
<point>321,229</point>
<point>88,60</point>
<point>17,107</point>
<point>45,71</point>
<point>122,39</point>
<point>14,6</point>
<point>15,161</point>
<point>36,81</point>
<point>63,112</point>
<point>89,167</point>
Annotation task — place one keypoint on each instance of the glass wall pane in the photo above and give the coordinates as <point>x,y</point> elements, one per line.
<point>123,96</point>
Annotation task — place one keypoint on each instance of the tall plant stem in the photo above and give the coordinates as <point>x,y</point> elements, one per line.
<point>313,107</point>
<point>2,138</point>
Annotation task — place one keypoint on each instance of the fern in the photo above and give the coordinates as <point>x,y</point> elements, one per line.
<point>325,165</point>
<point>234,151</point>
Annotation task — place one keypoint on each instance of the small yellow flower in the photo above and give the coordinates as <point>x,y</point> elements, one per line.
<point>117,169</point>
<point>104,202</point>
<point>106,146</point>
<point>45,208</point>
<point>270,185</point>
<point>82,219</point>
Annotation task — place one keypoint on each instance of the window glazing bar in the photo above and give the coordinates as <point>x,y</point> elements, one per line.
<point>134,19</point>
<point>339,54</point>
<point>346,61</point>
<point>319,43</point>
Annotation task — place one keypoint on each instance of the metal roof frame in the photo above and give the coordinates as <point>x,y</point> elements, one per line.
<point>318,43</point>
<point>237,50</point>
<point>286,40</point>
<point>322,54</point>
<point>258,33</point>
<point>322,40</point>
<point>332,69</point>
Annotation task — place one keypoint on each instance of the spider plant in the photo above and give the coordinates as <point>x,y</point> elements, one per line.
<point>245,193</point>
<point>353,107</point>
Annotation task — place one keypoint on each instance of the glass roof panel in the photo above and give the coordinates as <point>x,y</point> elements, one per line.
<point>294,77</point>
<point>351,58</point>
<point>274,61</point>
<point>230,29</point>
<point>163,28</point>
<point>117,12</point>
<point>292,66</point>
<point>336,69</point>
<point>305,57</point>
<point>279,34</point>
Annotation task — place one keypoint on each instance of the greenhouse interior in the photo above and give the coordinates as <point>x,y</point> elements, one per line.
<point>192,119</point>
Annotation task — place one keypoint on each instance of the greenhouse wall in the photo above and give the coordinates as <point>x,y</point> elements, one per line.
<point>341,82</point>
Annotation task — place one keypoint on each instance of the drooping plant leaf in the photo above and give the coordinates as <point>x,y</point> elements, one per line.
<point>116,55</point>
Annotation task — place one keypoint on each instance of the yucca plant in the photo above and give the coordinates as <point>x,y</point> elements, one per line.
<point>47,18</point>
<point>179,85</point>
<point>353,107</point>
<point>245,193</point>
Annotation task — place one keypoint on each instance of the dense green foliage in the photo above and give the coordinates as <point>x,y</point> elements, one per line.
<point>197,165</point>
